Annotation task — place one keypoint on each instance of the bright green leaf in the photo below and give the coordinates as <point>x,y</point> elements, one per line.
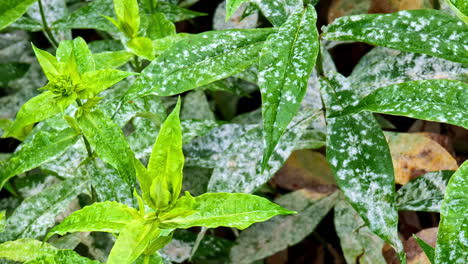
<point>109,217</point>
<point>62,257</point>
<point>461,9</point>
<point>132,241</point>
<point>159,26</point>
<point>41,148</point>
<point>2,221</point>
<point>111,59</point>
<point>11,10</point>
<point>128,15</point>
<point>108,140</point>
<point>425,193</point>
<point>408,30</point>
<point>198,60</point>
<point>452,236</point>
<point>76,51</point>
<point>428,250</point>
<point>360,160</point>
<point>286,61</point>
<point>25,249</point>
<point>176,13</point>
<point>97,81</point>
<point>227,209</point>
<point>443,101</point>
<point>142,47</point>
<point>232,6</point>
<point>48,62</point>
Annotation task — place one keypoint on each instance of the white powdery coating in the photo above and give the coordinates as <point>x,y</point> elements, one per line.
<point>407,30</point>
<point>278,11</point>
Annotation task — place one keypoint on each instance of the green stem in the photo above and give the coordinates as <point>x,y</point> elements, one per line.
<point>88,146</point>
<point>45,26</point>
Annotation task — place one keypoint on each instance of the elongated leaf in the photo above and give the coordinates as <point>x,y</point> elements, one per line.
<point>42,148</point>
<point>232,6</point>
<point>278,11</point>
<point>12,10</point>
<point>227,209</point>
<point>109,217</point>
<point>360,160</point>
<point>37,213</point>
<point>97,81</point>
<point>76,51</point>
<point>132,241</point>
<point>2,221</point>
<point>176,13</point>
<point>128,16</point>
<point>63,257</point>
<point>37,109</point>
<point>425,193</point>
<point>109,142</point>
<point>452,236</point>
<point>166,162</point>
<point>198,60</point>
<point>265,239</point>
<point>443,101</point>
<point>461,9</point>
<point>409,30</point>
<point>428,250</point>
<point>286,61</point>
<point>358,242</point>
<point>111,59</point>
<point>25,249</point>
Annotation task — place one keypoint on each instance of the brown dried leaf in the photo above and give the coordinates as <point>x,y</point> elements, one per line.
<point>340,8</point>
<point>416,154</point>
<point>390,6</point>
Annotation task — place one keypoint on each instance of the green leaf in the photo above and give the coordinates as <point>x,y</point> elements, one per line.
<point>41,148</point>
<point>97,81</point>
<point>111,217</point>
<point>76,51</point>
<point>166,162</point>
<point>25,249</point>
<point>452,236</point>
<point>133,240</point>
<point>63,257</point>
<point>382,67</point>
<point>408,30</point>
<point>142,47</point>
<point>286,61</point>
<point>461,9</point>
<point>37,109</point>
<point>37,213</point>
<point>196,106</point>
<point>111,59</point>
<point>2,221</point>
<point>159,26</point>
<point>108,140</point>
<point>232,6</point>
<point>12,10</point>
<point>278,11</point>
<point>428,250</point>
<point>128,15</point>
<point>435,100</point>
<point>12,71</point>
<point>265,239</point>
<point>360,160</point>
<point>175,13</point>
<point>425,193</point>
<point>48,62</point>
<point>237,210</point>
<point>198,60</point>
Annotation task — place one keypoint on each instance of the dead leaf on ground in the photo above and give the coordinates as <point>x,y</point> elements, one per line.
<point>306,169</point>
<point>414,253</point>
<point>340,8</point>
<point>390,6</point>
<point>416,154</point>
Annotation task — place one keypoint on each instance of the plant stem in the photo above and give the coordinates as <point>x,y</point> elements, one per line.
<point>88,146</point>
<point>200,237</point>
<point>45,26</point>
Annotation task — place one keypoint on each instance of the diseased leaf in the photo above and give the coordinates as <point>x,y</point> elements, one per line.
<point>232,6</point>
<point>425,193</point>
<point>408,30</point>
<point>461,9</point>
<point>142,47</point>
<point>243,17</point>
<point>176,13</point>
<point>278,11</point>
<point>428,250</point>
<point>264,239</point>
<point>382,67</point>
<point>442,101</point>
<point>12,71</point>
<point>360,160</point>
<point>37,213</point>
<point>109,217</point>
<point>227,209</point>
<point>109,142</point>
<point>452,236</point>
<point>63,257</point>
<point>358,242</point>
<point>133,240</point>
<point>12,10</point>
<point>41,148</point>
<point>159,26</point>
<point>286,61</point>
<point>198,60</point>
<point>196,106</point>
<point>25,249</point>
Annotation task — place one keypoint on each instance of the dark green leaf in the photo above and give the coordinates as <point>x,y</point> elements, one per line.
<point>11,10</point>
<point>12,71</point>
<point>278,11</point>
<point>428,250</point>
<point>408,30</point>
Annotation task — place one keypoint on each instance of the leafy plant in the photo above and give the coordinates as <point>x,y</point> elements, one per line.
<point>83,145</point>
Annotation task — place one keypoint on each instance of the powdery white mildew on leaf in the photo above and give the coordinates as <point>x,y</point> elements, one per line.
<point>382,67</point>
<point>196,106</point>
<point>360,160</point>
<point>240,167</point>
<point>37,213</point>
<point>226,16</point>
<point>30,249</point>
<point>198,60</point>
<point>358,242</point>
<point>286,62</point>
<point>452,237</point>
<point>264,239</point>
<point>442,101</point>
<point>425,193</point>
<point>408,30</point>
<point>278,11</point>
